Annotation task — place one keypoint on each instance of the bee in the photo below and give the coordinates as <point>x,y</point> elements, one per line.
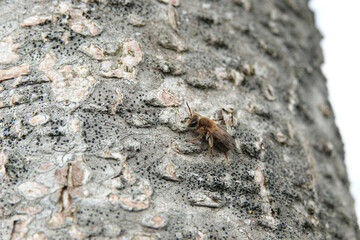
<point>213,133</point>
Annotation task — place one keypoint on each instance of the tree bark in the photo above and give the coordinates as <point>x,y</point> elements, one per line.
<point>93,122</point>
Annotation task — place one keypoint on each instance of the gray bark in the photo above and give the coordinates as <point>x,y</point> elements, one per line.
<point>93,122</point>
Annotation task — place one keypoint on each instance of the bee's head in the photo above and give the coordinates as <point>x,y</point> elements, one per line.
<point>192,122</point>
<point>193,117</point>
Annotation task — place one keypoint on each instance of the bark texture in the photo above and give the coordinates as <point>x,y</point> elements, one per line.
<point>93,122</point>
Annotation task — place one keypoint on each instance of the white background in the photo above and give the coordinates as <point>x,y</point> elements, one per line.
<point>339,23</point>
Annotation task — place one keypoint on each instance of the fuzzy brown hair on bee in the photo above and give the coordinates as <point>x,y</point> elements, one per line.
<point>213,133</point>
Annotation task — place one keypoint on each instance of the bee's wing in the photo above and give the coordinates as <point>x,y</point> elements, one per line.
<point>223,137</point>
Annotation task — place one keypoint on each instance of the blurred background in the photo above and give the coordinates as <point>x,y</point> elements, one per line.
<point>339,23</point>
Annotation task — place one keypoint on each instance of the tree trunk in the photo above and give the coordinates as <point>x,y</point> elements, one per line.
<point>94,138</point>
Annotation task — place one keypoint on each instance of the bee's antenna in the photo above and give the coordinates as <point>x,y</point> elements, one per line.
<point>189,109</point>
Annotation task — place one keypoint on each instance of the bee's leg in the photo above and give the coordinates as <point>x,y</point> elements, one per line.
<point>227,158</point>
<point>195,139</point>
<point>211,144</point>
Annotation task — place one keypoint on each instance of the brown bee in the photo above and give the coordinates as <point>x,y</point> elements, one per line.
<point>212,132</point>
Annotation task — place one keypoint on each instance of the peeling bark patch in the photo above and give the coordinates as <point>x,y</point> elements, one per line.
<point>35,20</point>
<point>61,176</point>
<point>139,120</point>
<point>69,178</point>
<point>248,69</point>
<point>280,137</point>
<point>37,236</point>
<point>175,119</point>
<point>127,173</point>
<point>324,109</point>
<point>163,98</point>
<point>94,51</point>
<point>170,172</point>
<point>131,53</point>
<point>229,74</point>
<point>75,173</point>
<point>260,179</point>
<point>138,198</point>
<point>208,199</point>
<point>78,21</point>
<point>143,236</point>
<point>20,227</point>
<point>28,209</point>
<point>185,147</point>
<point>80,24</point>
<point>14,72</point>
<point>32,190</point>
<point>174,3</point>
<point>63,7</point>
<point>57,220</point>
<point>80,173</point>
<point>170,66</point>
<point>124,65</point>
<point>172,17</point>
<point>267,220</point>
<point>47,64</point>
<point>226,116</point>
<point>173,42</point>
<point>76,233</point>
<point>167,171</point>
<point>154,221</point>
<point>70,83</point>
<point>74,125</point>
<point>268,91</point>
<point>136,21</point>
<point>8,51</point>
<point>134,197</point>
<point>134,204</point>
<point>200,82</point>
<point>39,119</point>
<point>3,162</point>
